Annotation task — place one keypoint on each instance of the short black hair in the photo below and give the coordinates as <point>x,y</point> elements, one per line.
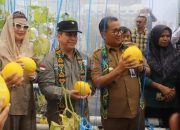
<point>19,14</point>
<point>142,16</point>
<point>103,25</point>
<point>124,29</point>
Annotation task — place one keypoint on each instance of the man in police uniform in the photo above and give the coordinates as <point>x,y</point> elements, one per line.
<point>117,78</point>
<point>61,69</point>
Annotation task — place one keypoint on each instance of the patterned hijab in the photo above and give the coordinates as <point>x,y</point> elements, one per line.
<point>164,61</point>
<point>10,50</point>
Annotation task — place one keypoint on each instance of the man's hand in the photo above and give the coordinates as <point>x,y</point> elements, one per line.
<point>75,94</point>
<point>141,66</point>
<point>127,63</point>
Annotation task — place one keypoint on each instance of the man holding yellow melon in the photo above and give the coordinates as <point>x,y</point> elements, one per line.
<point>116,74</point>
<point>59,72</point>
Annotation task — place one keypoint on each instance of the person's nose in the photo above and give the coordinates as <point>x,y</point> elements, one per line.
<point>125,39</point>
<point>73,37</point>
<point>166,38</point>
<point>22,29</point>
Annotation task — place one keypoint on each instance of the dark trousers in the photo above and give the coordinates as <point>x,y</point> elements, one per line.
<point>161,113</point>
<point>136,123</point>
<point>20,122</point>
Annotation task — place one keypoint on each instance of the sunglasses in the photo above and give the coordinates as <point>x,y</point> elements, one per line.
<point>19,26</point>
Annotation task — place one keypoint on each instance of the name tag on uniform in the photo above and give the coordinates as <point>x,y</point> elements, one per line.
<point>132,73</point>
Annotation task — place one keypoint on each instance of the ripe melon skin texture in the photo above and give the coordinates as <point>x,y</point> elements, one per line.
<point>12,68</point>
<point>29,65</point>
<point>82,87</point>
<point>134,52</point>
<point>4,92</point>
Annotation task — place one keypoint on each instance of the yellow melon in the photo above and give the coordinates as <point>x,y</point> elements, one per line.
<point>82,87</point>
<point>4,92</point>
<point>134,52</point>
<point>29,65</point>
<point>43,120</point>
<point>12,68</point>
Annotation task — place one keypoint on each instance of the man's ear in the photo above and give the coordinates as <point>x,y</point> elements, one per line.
<point>103,35</point>
<point>59,34</point>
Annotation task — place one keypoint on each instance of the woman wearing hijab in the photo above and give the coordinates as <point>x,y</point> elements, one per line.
<point>164,62</point>
<point>14,44</point>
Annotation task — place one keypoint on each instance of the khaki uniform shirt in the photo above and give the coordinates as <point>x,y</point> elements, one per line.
<point>124,91</point>
<point>49,85</point>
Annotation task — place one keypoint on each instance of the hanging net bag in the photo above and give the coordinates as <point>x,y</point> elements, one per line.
<point>69,119</point>
<point>85,124</point>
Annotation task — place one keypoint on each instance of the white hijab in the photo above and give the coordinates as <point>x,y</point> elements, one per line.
<point>10,50</point>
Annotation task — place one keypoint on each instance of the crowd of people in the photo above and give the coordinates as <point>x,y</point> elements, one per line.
<point>120,79</point>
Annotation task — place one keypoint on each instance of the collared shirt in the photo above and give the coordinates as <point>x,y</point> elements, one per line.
<point>140,38</point>
<point>48,81</point>
<point>124,91</point>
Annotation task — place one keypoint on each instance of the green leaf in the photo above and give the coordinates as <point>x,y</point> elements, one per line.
<point>67,17</point>
<point>2,22</point>
<point>40,15</point>
<point>2,2</point>
<point>51,18</point>
<point>33,7</point>
<point>32,34</point>
<point>41,46</point>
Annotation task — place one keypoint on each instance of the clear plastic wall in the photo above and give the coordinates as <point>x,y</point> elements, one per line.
<point>157,11</point>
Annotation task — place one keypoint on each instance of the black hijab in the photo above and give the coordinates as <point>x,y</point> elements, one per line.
<point>162,60</point>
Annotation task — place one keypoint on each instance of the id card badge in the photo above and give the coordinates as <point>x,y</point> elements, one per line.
<point>132,73</point>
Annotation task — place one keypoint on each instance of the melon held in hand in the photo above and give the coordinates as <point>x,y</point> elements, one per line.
<point>82,87</point>
<point>29,65</point>
<point>12,68</point>
<point>4,92</point>
<point>134,52</point>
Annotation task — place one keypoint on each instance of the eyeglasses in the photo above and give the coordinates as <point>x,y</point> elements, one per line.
<point>19,26</point>
<point>116,31</point>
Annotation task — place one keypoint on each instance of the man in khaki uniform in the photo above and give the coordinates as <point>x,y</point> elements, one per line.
<point>117,78</point>
<point>61,69</point>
